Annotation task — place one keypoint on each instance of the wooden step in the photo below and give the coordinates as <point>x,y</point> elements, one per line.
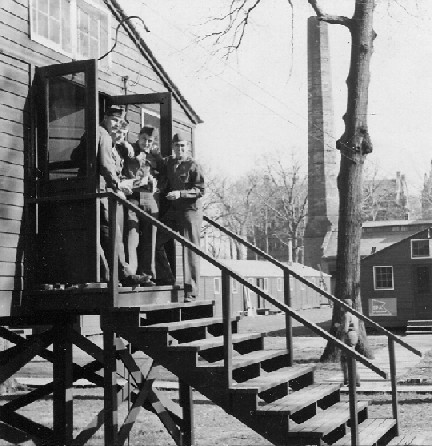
<point>272,379</point>
<point>217,341</point>
<point>411,440</point>
<point>183,325</point>
<point>296,401</point>
<point>175,305</point>
<point>371,431</point>
<point>325,421</point>
<point>247,359</point>
<point>418,332</point>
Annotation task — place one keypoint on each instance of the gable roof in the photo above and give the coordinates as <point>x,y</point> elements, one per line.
<point>379,235</point>
<point>130,28</point>
<point>255,268</point>
<point>418,234</point>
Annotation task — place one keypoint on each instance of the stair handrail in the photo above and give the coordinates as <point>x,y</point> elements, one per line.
<point>225,269</point>
<point>227,273</point>
<point>312,285</point>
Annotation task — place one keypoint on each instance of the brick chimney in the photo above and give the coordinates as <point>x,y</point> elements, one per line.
<point>323,165</point>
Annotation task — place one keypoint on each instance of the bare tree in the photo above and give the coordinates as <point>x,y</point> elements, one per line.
<point>233,204</point>
<point>284,196</point>
<point>355,143</point>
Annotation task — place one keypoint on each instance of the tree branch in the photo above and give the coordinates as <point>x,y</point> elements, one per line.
<point>333,19</point>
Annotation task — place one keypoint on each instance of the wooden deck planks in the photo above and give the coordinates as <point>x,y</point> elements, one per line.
<point>410,440</point>
<point>300,399</point>
<point>370,432</point>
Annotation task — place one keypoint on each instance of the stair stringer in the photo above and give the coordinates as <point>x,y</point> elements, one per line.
<point>212,384</point>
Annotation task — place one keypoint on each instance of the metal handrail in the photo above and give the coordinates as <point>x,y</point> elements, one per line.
<point>312,285</point>
<point>351,360</point>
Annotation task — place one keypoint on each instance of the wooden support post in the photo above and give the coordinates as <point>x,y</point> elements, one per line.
<point>186,402</point>
<point>288,318</point>
<point>393,378</point>
<point>352,382</point>
<point>62,385</point>
<point>110,383</point>
<point>113,261</point>
<point>226,312</point>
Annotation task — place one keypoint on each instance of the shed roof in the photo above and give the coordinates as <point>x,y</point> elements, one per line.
<point>381,235</point>
<point>255,268</point>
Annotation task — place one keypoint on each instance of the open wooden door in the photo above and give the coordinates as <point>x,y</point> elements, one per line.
<point>67,229</point>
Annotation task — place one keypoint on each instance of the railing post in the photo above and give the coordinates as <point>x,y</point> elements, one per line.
<point>227,328</point>
<point>393,378</point>
<point>288,318</point>
<point>352,382</point>
<point>113,260</point>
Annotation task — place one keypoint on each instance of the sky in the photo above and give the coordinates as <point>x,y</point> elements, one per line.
<point>255,102</point>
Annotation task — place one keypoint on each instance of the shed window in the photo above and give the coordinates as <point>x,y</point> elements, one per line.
<point>420,248</point>
<point>423,279</point>
<point>234,286</point>
<point>383,277</point>
<point>265,284</point>
<point>279,284</point>
<point>76,28</point>
<point>217,285</point>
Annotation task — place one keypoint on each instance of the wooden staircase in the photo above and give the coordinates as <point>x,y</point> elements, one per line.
<point>280,402</point>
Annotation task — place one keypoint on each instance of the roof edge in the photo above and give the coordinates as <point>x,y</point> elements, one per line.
<point>148,54</point>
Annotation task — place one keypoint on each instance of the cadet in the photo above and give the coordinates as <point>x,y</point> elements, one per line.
<point>109,166</point>
<point>184,188</point>
<point>144,169</point>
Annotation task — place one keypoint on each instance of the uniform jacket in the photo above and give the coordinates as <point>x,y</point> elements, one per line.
<point>186,177</point>
<point>109,160</point>
<point>147,162</point>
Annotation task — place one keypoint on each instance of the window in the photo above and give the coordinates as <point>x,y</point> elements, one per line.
<point>383,278</point>
<point>217,285</point>
<point>234,286</point>
<point>265,284</point>
<point>423,279</point>
<point>76,28</point>
<point>420,248</point>
<point>279,284</point>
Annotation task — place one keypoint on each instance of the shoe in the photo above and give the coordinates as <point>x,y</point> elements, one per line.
<point>148,283</point>
<point>135,279</point>
<point>190,298</point>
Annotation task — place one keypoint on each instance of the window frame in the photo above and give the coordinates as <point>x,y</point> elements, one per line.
<point>73,30</point>
<point>420,256</point>
<point>376,288</point>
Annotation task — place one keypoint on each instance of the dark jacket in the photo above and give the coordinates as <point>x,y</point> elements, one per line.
<point>186,177</point>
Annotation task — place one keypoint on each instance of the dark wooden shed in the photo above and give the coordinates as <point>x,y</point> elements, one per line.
<point>396,282</point>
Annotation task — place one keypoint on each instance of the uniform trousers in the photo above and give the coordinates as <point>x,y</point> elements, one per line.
<point>188,224</point>
<point>142,234</point>
<point>106,252</point>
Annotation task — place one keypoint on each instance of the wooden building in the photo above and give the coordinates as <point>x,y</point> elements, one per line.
<point>266,276</point>
<point>53,89</point>
<point>396,282</point>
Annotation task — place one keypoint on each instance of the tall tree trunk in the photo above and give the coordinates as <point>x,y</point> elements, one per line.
<point>354,146</point>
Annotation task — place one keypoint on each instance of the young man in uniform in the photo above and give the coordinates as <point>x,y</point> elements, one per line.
<point>144,170</point>
<point>184,188</point>
<point>109,167</point>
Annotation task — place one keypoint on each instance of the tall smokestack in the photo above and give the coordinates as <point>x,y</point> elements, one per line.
<point>323,199</point>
